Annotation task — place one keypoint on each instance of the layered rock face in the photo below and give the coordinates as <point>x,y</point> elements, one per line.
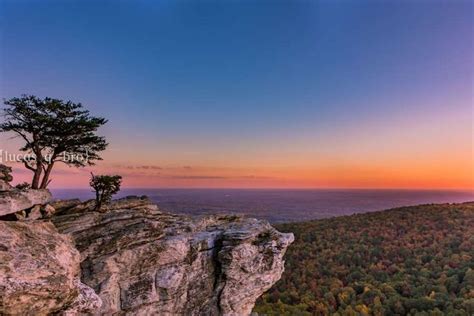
<point>39,267</point>
<point>130,259</point>
<point>19,200</point>
<point>15,203</point>
<point>40,273</point>
<point>144,262</point>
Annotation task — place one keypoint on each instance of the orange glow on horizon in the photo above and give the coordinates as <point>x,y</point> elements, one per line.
<point>407,154</point>
<point>457,175</point>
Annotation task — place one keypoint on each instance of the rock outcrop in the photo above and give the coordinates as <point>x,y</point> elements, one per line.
<point>131,259</point>
<point>18,200</point>
<point>75,206</point>
<point>39,272</point>
<point>144,262</point>
<point>17,203</point>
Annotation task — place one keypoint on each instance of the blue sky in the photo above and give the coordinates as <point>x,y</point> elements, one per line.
<point>206,82</point>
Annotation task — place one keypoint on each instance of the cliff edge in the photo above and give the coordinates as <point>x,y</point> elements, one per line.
<point>136,260</point>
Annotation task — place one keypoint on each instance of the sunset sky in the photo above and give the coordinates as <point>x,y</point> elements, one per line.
<point>255,94</point>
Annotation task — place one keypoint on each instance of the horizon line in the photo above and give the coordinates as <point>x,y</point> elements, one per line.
<point>277,188</point>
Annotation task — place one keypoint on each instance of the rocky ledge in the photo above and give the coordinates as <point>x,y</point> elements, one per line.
<point>39,272</point>
<point>136,260</point>
<point>21,201</point>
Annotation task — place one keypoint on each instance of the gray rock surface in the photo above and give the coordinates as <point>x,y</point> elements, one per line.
<point>47,211</point>
<point>133,260</point>
<point>144,262</point>
<point>39,272</point>
<point>18,200</point>
<point>132,202</point>
<point>64,205</point>
<point>75,206</point>
<point>34,213</point>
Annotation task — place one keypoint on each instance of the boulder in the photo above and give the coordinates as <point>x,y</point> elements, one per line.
<point>18,216</point>
<point>18,200</point>
<point>34,213</point>
<point>144,262</point>
<point>47,211</point>
<point>39,272</point>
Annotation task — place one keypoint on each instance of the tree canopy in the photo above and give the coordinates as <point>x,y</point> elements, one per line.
<point>105,186</point>
<point>416,260</point>
<point>53,131</point>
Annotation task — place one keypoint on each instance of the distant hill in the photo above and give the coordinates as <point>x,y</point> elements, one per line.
<point>415,260</point>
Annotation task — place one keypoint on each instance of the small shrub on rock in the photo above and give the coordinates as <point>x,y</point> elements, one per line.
<point>23,186</point>
<point>105,186</point>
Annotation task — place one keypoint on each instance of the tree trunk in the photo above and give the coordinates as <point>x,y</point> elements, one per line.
<point>98,200</point>
<point>36,177</point>
<point>35,184</point>
<point>45,181</point>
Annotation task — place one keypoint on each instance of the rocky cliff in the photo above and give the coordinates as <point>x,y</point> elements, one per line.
<point>15,203</point>
<point>39,272</point>
<point>133,259</point>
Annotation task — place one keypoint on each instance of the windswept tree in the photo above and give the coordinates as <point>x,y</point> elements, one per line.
<point>53,131</point>
<point>104,186</point>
